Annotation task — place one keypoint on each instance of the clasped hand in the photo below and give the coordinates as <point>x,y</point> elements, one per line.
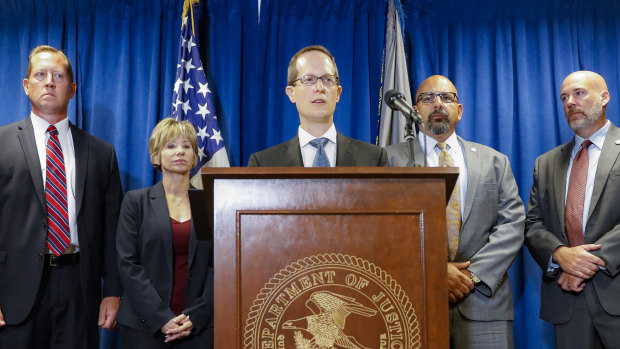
<point>178,327</point>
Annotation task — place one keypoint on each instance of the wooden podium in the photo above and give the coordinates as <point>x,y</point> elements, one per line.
<point>329,257</point>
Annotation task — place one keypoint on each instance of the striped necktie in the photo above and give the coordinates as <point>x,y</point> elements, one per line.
<point>453,210</point>
<point>58,236</point>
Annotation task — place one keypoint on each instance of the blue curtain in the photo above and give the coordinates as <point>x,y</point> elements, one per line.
<point>506,58</point>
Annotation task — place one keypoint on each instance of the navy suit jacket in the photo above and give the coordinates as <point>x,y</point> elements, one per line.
<point>350,152</point>
<point>23,219</point>
<point>145,257</point>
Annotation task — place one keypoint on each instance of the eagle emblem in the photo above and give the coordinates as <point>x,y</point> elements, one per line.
<point>326,324</point>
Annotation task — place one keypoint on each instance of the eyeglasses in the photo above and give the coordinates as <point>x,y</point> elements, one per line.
<point>308,80</point>
<point>444,97</point>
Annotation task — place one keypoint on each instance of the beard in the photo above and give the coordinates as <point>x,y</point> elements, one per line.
<point>438,127</point>
<point>590,116</point>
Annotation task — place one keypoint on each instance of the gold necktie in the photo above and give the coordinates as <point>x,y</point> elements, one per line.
<point>453,210</point>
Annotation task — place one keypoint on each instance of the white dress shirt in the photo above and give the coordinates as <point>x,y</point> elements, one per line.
<point>308,151</point>
<point>594,153</point>
<point>66,143</point>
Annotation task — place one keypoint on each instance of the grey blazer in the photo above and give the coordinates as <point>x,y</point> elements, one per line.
<point>492,229</point>
<point>545,225</point>
<point>350,152</point>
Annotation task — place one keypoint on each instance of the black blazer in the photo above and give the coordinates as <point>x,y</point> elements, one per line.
<point>350,152</point>
<point>23,230</point>
<point>145,260</point>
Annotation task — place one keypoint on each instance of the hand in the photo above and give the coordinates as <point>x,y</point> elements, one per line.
<point>571,283</point>
<point>459,284</point>
<point>107,312</point>
<point>178,327</point>
<point>2,322</point>
<point>578,261</point>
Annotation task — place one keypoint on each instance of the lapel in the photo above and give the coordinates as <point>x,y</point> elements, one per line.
<point>418,153</point>
<point>344,151</point>
<point>559,168</point>
<point>193,246</point>
<point>291,153</point>
<point>472,161</point>
<point>609,156</point>
<point>81,149</point>
<point>25,134</point>
<point>161,217</point>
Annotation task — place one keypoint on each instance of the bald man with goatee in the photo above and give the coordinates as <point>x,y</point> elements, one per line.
<point>573,221</point>
<point>485,219</point>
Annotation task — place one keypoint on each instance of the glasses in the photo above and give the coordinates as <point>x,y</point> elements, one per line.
<point>444,97</point>
<point>308,80</point>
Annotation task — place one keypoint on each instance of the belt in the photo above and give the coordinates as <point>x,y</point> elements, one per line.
<point>63,259</point>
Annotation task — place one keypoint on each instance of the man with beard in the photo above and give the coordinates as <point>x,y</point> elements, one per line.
<point>485,219</point>
<point>573,221</point>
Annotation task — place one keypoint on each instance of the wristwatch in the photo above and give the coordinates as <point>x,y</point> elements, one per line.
<point>474,278</point>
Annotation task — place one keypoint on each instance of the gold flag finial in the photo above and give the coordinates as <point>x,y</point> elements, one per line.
<point>188,5</point>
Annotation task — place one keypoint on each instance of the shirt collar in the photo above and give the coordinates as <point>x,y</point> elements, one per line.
<point>40,126</point>
<point>598,138</point>
<point>305,137</point>
<point>452,141</point>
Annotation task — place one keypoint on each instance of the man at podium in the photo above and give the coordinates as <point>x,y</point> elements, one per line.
<point>485,220</point>
<point>314,87</point>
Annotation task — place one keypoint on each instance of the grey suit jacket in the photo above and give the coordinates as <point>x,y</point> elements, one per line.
<point>350,152</point>
<point>145,262</point>
<point>492,228</point>
<point>23,217</point>
<point>545,229</point>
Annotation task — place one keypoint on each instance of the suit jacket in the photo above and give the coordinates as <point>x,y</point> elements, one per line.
<point>145,260</point>
<point>545,229</point>
<point>491,230</point>
<point>23,219</point>
<point>350,152</point>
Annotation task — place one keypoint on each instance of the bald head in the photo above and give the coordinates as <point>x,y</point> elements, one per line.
<point>436,83</point>
<point>442,114</point>
<point>593,80</point>
<point>584,98</point>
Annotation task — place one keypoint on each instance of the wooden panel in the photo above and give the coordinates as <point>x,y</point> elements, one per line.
<point>331,258</point>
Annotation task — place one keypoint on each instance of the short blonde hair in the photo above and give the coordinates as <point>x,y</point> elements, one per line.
<point>166,130</point>
<point>45,48</point>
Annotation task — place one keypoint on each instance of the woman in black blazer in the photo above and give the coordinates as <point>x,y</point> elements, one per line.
<point>167,273</point>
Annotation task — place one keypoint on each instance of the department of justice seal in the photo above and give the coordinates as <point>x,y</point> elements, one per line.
<point>332,301</point>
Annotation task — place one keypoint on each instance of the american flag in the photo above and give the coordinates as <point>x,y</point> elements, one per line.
<point>192,99</point>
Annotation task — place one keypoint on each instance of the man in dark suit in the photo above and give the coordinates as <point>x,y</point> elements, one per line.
<point>485,220</point>
<point>60,195</point>
<point>314,87</point>
<point>573,221</point>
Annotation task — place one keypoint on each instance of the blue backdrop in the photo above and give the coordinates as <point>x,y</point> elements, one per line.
<point>506,58</point>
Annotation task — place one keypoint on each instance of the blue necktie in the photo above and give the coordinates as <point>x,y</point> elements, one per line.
<point>320,159</point>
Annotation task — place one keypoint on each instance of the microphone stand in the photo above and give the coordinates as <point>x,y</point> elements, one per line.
<point>409,138</point>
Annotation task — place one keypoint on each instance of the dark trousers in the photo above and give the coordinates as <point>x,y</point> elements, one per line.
<point>590,326</point>
<point>58,318</point>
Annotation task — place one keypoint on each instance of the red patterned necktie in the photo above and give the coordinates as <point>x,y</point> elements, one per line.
<point>573,214</point>
<point>453,210</point>
<point>58,236</point>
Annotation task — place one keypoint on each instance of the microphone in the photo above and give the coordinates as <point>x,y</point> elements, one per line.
<point>396,101</point>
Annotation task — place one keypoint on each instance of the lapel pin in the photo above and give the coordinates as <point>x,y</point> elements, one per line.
<point>617,141</point>
<point>474,149</point>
